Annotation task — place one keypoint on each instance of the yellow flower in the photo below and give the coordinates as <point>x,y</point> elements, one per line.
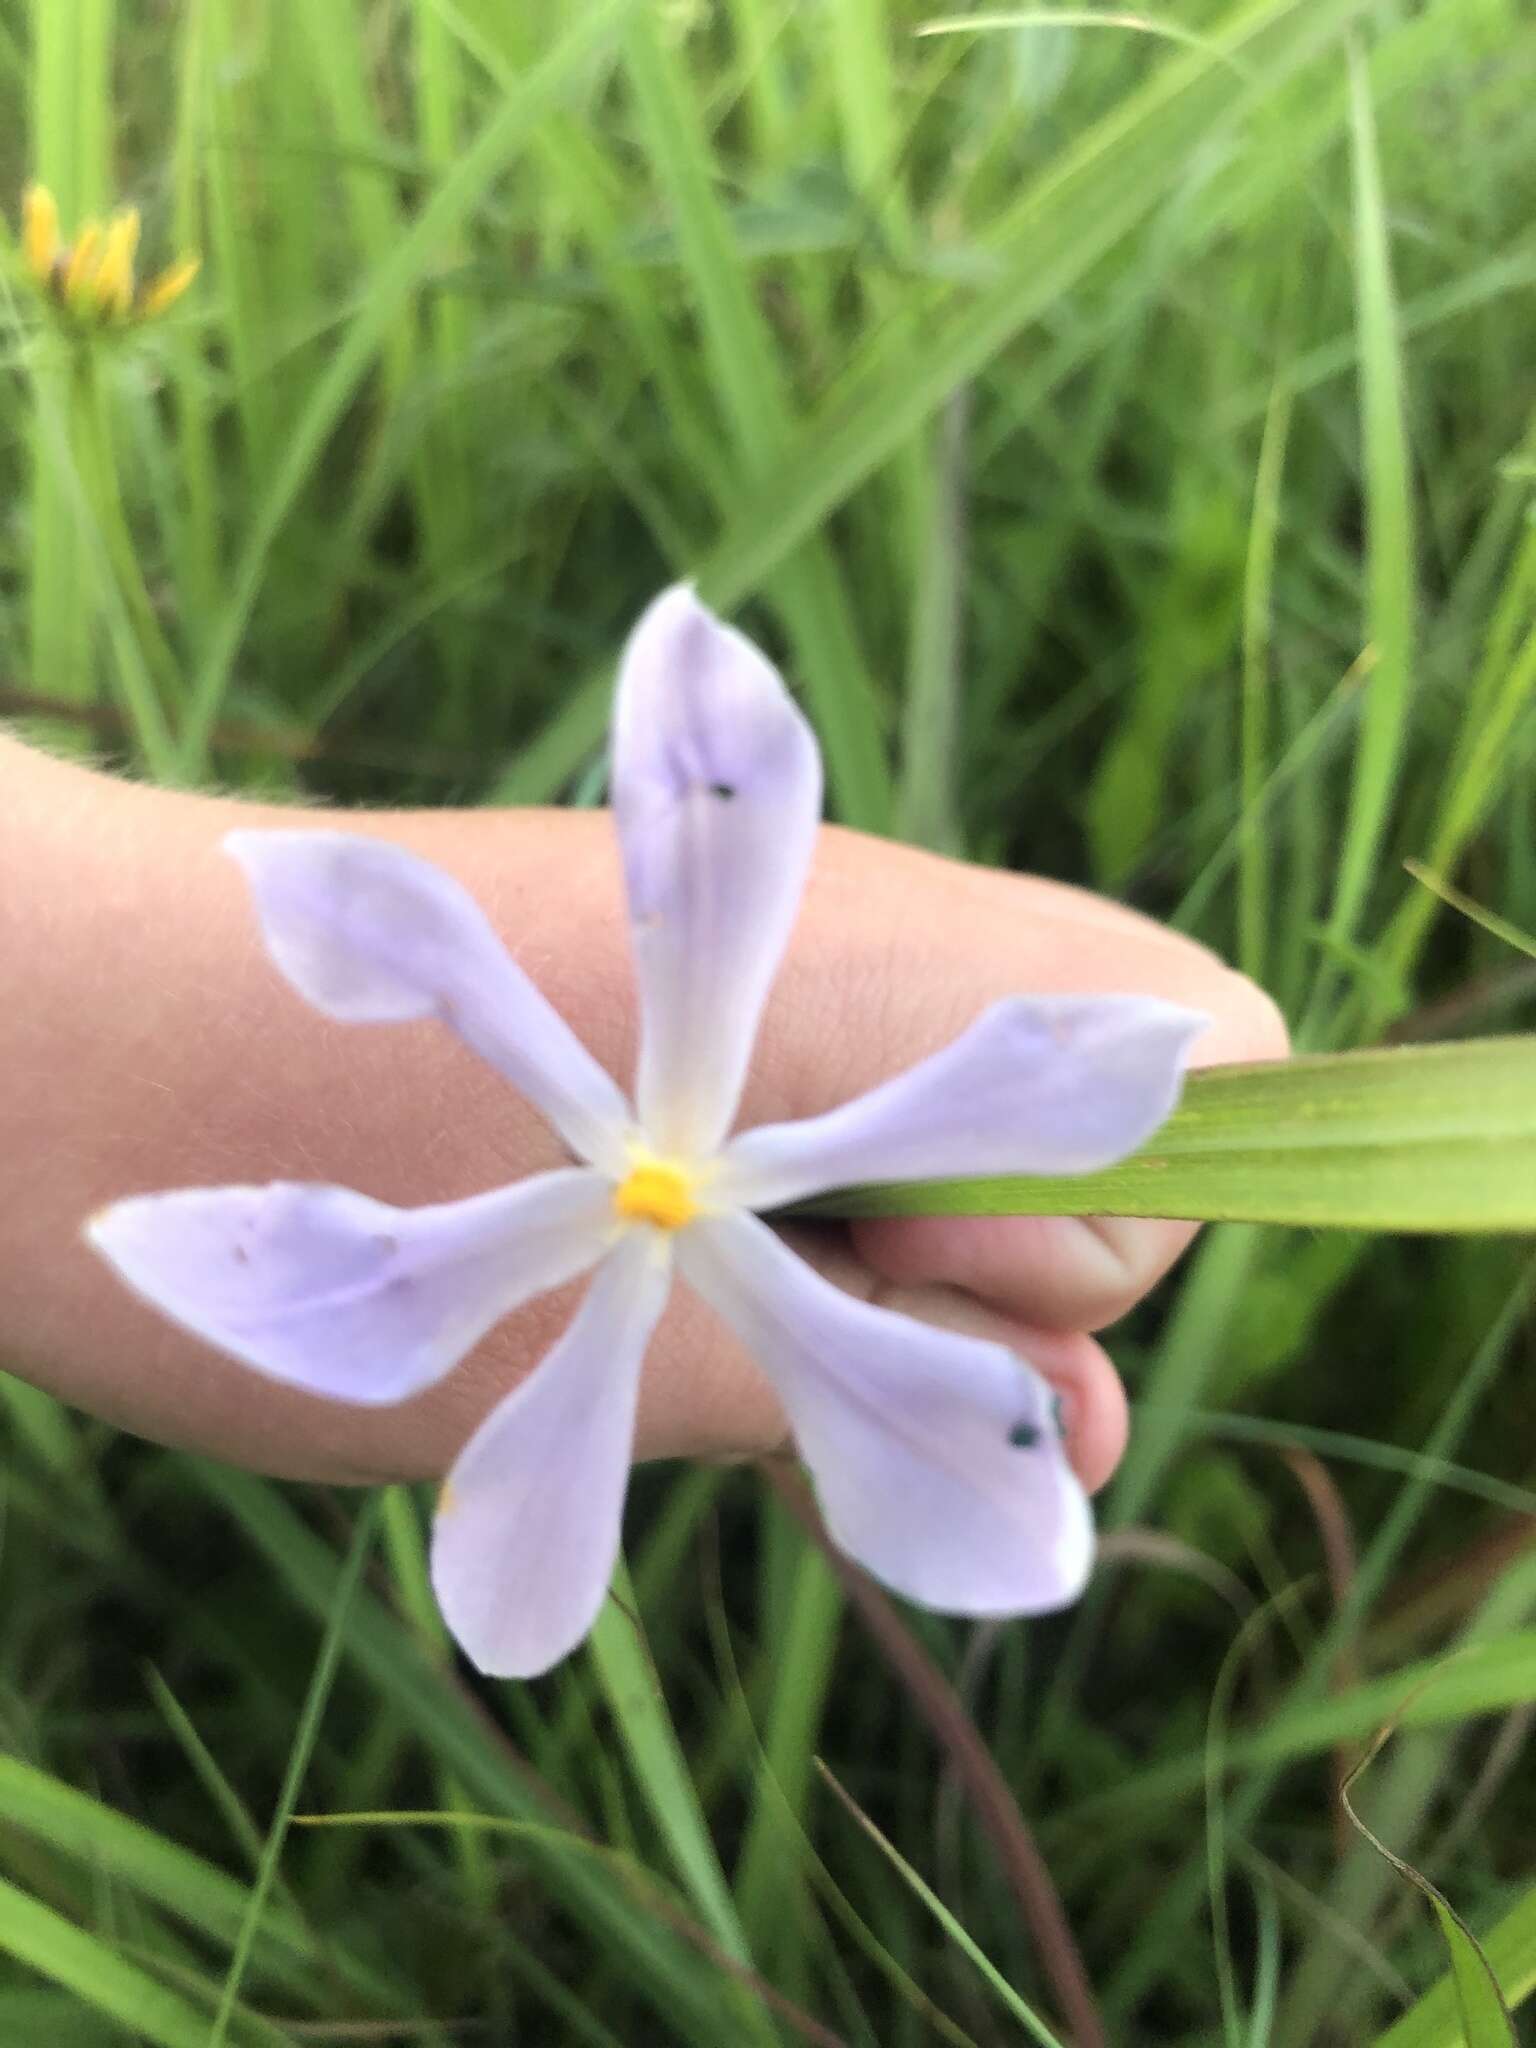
<point>93,278</point>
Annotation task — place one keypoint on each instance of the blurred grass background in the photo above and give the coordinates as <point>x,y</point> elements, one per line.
<point>1122,429</point>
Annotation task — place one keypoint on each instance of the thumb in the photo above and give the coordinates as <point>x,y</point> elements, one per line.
<point>897,952</point>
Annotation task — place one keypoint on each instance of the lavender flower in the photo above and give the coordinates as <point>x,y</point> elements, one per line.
<point>936,1456</point>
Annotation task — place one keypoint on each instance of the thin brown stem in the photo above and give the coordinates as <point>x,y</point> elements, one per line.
<point>996,1809</point>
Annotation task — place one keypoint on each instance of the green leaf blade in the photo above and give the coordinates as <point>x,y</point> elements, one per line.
<point>1412,1138</point>
<point>1436,2020</point>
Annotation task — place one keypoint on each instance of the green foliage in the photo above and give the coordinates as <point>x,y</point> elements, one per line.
<point>1118,426</point>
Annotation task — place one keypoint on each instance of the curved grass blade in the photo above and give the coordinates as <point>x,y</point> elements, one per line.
<point>1486,1678</point>
<point>1510,1950</point>
<point>1484,2017</point>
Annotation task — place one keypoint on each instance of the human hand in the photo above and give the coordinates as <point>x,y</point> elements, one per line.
<point>193,1063</point>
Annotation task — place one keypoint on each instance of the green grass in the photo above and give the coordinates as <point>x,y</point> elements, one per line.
<point>1122,430</point>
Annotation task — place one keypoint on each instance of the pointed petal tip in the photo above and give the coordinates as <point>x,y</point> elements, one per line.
<point>679,601</point>
<point>237,845</point>
<point>527,1533</point>
<point>372,932</point>
<point>1187,1021</point>
<point>109,1230</point>
<point>677,628</point>
<point>1077,1548</point>
<point>1180,1028</point>
<point>324,1289</point>
<point>485,1650</point>
<point>96,1232</point>
<point>1134,1015</point>
<point>250,846</point>
<point>1036,1085</point>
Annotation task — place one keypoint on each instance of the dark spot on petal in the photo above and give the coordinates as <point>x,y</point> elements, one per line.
<point>241,1256</point>
<point>724,790</point>
<point>1024,1436</point>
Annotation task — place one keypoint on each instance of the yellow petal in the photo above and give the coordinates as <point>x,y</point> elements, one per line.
<point>167,288</point>
<point>40,231</point>
<point>79,277</point>
<point>114,274</point>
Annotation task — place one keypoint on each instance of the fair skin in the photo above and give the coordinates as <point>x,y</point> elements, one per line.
<point>147,1042</point>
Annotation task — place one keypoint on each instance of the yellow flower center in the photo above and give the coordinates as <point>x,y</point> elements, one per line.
<point>656,1192</point>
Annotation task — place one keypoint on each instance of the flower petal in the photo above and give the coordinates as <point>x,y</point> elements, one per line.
<point>372,934</point>
<point>936,1456</point>
<point>344,1296</point>
<point>527,1528</point>
<point>717,793</point>
<point>1038,1084</point>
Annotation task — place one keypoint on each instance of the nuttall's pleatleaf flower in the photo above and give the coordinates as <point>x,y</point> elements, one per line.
<point>92,280</point>
<point>936,1456</point>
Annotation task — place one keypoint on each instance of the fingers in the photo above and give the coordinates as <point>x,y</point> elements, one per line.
<point>703,1397</point>
<point>1061,1272</point>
